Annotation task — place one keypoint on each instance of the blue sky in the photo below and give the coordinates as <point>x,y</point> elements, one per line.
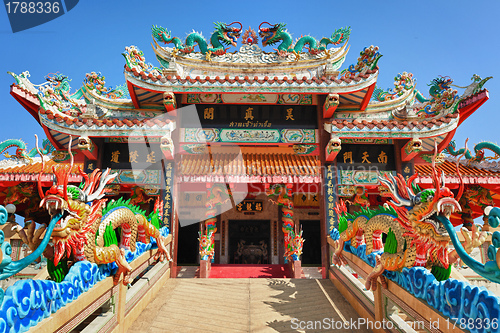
<point>426,38</point>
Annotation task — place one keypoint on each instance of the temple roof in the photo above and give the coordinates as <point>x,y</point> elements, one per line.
<point>306,68</point>
<point>450,169</point>
<point>251,168</point>
<point>270,84</point>
<point>15,170</point>
<point>387,128</point>
<point>471,174</point>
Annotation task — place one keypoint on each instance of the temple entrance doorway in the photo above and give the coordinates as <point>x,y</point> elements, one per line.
<point>188,244</point>
<point>249,241</point>
<point>311,232</point>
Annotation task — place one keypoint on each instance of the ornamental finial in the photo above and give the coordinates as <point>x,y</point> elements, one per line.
<point>249,37</point>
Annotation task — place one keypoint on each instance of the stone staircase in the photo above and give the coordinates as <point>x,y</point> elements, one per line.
<point>244,305</point>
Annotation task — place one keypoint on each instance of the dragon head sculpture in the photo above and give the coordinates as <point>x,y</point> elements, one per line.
<point>226,34</point>
<point>332,100</point>
<point>71,201</point>
<point>418,212</point>
<point>439,84</point>
<point>272,34</point>
<point>161,34</point>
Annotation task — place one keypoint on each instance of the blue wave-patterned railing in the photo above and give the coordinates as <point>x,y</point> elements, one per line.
<point>456,299</point>
<point>28,302</point>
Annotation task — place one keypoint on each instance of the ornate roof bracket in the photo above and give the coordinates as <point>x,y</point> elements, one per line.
<point>88,148</point>
<point>333,147</point>
<point>331,104</point>
<point>411,149</point>
<point>170,103</point>
<point>167,145</point>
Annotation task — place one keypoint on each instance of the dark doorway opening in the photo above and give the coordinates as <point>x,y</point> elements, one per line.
<point>188,244</point>
<point>249,241</point>
<point>311,252</point>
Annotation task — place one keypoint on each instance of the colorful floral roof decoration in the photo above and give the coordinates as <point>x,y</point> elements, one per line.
<point>95,83</point>
<point>403,82</point>
<point>104,113</point>
<point>136,63</point>
<point>367,60</point>
<point>53,95</point>
<point>443,97</point>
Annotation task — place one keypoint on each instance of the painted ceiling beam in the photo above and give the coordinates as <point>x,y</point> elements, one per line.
<point>133,96</point>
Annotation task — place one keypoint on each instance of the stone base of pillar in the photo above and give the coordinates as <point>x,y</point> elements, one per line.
<point>295,267</point>
<point>205,266</point>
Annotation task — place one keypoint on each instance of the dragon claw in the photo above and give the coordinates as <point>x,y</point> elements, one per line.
<point>162,252</point>
<point>339,260</point>
<point>376,274</point>
<point>123,267</point>
<point>473,238</point>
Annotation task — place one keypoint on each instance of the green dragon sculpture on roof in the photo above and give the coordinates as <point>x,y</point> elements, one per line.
<point>273,34</point>
<point>223,35</point>
<point>21,152</point>
<point>479,151</point>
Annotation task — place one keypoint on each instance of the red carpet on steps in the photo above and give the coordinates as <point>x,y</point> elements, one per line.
<point>249,271</point>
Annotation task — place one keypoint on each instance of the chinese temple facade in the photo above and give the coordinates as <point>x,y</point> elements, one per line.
<point>249,151</point>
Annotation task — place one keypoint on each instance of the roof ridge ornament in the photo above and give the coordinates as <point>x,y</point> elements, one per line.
<point>223,35</point>
<point>249,37</point>
<point>277,32</point>
<point>367,60</point>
